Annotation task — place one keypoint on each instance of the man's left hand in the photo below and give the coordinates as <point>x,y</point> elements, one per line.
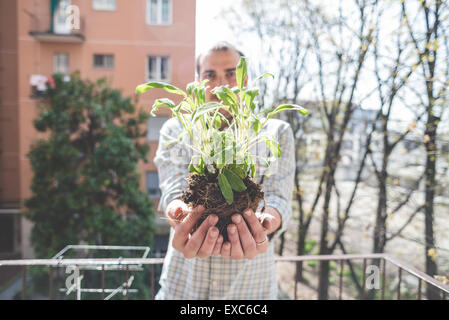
<point>247,242</point>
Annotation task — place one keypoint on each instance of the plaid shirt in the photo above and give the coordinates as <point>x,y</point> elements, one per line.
<point>215,277</point>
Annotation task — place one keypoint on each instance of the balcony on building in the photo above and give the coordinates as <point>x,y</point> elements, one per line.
<point>62,24</point>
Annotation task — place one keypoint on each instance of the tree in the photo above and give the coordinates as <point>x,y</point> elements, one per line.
<point>340,57</point>
<point>283,39</point>
<point>86,184</point>
<point>427,24</point>
<point>319,56</point>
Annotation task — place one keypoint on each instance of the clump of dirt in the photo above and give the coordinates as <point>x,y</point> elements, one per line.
<point>204,190</point>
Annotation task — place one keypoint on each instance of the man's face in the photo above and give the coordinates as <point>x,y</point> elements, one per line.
<point>219,68</point>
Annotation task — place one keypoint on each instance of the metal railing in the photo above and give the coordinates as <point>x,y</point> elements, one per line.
<point>40,24</point>
<point>126,263</point>
<point>401,266</point>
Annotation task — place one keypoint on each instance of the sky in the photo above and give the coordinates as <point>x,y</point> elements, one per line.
<point>209,26</point>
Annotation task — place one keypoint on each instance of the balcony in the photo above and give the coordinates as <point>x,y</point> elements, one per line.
<point>68,29</point>
<point>390,287</point>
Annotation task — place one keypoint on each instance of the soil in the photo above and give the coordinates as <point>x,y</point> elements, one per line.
<point>204,190</point>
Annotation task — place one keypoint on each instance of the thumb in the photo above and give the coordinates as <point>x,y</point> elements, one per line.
<point>267,221</point>
<point>178,211</point>
<point>193,215</point>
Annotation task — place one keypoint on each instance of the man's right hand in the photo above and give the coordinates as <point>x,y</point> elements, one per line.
<point>204,242</point>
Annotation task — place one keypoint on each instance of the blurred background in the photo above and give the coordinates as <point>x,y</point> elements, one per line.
<point>76,144</point>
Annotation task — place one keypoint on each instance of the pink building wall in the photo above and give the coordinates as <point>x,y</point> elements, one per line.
<point>123,33</point>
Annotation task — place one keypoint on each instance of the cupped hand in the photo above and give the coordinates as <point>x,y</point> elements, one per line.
<point>248,234</point>
<point>204,241</point>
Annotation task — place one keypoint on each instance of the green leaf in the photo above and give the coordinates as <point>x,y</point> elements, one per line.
<point>265,75</point>
<point>256,125</point>
<point>285,107</point>
<point>205,108</point>
<point>190,87</point>
<point>234,180</point>
<point>274,147</point>
<point>192,168</point>
<point>238,171</point>
<point>227,96</point>
<point>217,122</point>
<point>235,89</point>
<point>231,95</point>
<point>250,94</point>
<point>162,103</point>
<point>160,85</point>
<point>201,165</point>
<point>225,188</point>
<point>241,72</point>
<point>252,168</point>
<point>184,106</point>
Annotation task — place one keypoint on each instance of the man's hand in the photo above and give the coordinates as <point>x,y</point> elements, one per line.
<point>204,242</point>
<point>247,242</point>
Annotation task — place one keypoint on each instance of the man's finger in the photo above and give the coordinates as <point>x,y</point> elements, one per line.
<point>246,238</point>
<point>267,223</point>
<point>191,219</point>
<point>176,212</point>
<point>236,247</point>
<point>195,242</point>
<point>183,229</point>
<point>218,246</point>
<point>226,250</point>
<point>256,227</point>
<point>209,243</point>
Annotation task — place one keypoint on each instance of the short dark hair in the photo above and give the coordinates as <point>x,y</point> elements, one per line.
<point>219,46</point>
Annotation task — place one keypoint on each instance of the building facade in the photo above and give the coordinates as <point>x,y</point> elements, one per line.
<point>129,42</point>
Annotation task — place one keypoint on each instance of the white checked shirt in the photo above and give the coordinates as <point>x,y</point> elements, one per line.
<point>215,277</point>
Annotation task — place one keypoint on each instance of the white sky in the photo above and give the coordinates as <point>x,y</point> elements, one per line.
<point>210,28</point>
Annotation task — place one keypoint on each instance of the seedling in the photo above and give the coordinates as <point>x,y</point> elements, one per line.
<point>223,164</point>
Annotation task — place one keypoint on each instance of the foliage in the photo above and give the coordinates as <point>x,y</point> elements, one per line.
<point>227,151</point>
<point>85,187</point>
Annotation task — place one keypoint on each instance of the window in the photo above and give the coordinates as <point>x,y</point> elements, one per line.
<point>105,5</point>
<point>61,63</point>
<point>158,68</point>
<point>153,184</point>
<point>105,61</point>
<point>154,126</point>
<point>159,12</point>
<point>9,233</point>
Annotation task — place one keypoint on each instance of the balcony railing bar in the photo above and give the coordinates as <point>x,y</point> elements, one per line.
<point>89,290</point>
<point>82,262</point>
<point>411,270</point>
<point>102,282</point>
<point>384,269</point>
<point>419,289</point>
<point>127,265</point>
<point>99,247</point>
<point>50,282</point>
<point>340,282</point>
<point>364,278</point>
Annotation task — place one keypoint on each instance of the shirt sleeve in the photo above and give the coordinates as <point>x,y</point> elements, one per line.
<point>172,163</point>
<point>278,187</point>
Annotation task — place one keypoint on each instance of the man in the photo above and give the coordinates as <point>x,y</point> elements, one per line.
<point>200,265</point>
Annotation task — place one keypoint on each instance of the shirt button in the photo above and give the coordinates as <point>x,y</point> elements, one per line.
<point>215,283</point>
